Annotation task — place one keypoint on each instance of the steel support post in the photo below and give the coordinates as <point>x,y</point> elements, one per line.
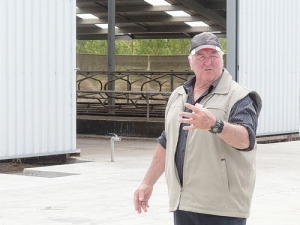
<point>232,38</point>
<point>111,53</point>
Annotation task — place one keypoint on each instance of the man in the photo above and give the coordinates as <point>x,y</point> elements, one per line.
<point>207,150</point>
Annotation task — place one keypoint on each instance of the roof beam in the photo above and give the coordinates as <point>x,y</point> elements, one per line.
<point>217,6</point>
<point>136,30</point>
<point>103,7</point>
<point>126,9</point>
<point>129,37</point>
<point>84,1</point>
<point>143,27</point>
<point>102,37</point>
<point>143,36</point>
<point>167,19</point>
<point>212,15</point>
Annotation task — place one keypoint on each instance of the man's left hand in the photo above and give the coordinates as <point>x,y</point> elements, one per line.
<point>201,118</point>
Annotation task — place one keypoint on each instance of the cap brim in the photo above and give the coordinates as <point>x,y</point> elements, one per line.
<point>206,47</point>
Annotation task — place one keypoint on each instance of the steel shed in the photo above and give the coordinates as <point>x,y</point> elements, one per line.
<point>38,91</point>
<point>262,48</point>
<point>268,59</point>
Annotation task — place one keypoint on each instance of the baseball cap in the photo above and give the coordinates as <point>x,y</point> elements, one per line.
<point>203,41</point>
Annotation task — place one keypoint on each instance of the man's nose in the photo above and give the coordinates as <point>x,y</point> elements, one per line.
<point>207,61</point>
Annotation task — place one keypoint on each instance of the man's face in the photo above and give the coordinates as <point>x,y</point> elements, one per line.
<point>207,65</point>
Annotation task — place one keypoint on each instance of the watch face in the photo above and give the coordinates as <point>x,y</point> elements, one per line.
<point>215,129</point>
<point>218,127</point>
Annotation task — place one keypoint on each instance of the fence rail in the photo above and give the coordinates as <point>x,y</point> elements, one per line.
<point>137,93</point>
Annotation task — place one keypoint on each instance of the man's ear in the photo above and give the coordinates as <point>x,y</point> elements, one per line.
<point>191,63</point>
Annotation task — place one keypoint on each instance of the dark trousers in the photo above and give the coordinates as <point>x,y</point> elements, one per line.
<point>190,218</point>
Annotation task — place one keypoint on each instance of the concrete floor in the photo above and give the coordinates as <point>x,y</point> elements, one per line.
<point>94,190</point>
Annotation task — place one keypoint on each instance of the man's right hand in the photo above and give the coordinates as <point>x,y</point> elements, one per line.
<point>143,193</point>
<point>141,197</point>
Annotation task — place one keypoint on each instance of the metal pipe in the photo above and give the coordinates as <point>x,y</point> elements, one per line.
<point>126,92</point>
<point>148,107</point>
<point>112,145</point>
<point>112,150</point>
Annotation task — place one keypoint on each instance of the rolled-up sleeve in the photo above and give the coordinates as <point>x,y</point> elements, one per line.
<point>162,139</point>
<point>245,113</point>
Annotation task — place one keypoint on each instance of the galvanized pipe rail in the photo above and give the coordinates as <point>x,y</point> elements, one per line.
<point>147,93</point>
<point>155,88</point>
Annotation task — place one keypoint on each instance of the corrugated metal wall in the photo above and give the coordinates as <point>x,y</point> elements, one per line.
<point>38,80</point>
<point>268,59</point>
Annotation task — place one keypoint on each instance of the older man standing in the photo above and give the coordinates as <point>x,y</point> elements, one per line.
<point>208,147</point>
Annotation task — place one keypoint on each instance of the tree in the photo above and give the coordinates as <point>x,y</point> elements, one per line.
<point>140,47</point>
<point>223,42</point>
<point>92,47</point>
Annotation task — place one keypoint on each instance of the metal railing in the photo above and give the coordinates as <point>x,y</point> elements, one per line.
<point>137,93</point>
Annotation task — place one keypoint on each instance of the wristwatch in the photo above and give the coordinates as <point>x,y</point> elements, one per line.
<point>218,127</point>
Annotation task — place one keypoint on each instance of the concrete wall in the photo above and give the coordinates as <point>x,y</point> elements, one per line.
<point>129,128</point>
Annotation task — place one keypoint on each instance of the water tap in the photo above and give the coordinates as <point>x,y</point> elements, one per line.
<point>112,145</point>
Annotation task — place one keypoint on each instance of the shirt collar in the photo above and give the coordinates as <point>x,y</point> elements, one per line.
<point>189,84</point>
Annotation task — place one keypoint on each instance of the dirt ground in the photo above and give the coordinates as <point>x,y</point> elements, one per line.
<point>13,167</point>
<point>16,166</point>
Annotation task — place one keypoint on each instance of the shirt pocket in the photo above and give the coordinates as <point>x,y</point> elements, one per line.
<point>218,111</point>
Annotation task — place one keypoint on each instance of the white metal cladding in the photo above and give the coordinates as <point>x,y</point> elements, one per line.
<point>268,59</point>
<point>37,61</point>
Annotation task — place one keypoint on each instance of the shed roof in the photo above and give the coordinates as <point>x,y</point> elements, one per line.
<point>137,19</point>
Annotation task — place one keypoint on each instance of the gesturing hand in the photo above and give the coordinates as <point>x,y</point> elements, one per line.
<point>201,118</point>
<point>141,197</point>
